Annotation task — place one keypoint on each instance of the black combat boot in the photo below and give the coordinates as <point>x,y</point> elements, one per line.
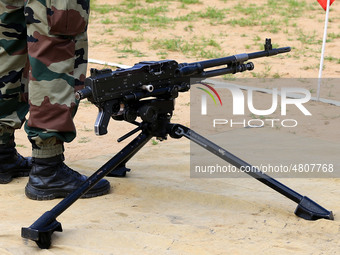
<point>12,164</point>
<point>51,178</point>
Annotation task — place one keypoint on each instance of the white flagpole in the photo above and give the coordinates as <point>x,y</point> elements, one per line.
<point>323,50</point>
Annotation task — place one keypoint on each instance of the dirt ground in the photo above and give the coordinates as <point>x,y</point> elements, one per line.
<point>159,208</point>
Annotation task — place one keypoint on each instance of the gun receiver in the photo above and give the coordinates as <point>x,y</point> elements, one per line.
<point>116,93</point>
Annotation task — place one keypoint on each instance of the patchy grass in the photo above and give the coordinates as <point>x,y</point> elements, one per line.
<point>199,29</point>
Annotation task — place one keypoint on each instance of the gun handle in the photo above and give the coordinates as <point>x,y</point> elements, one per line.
<point>102,121</point>
<point>103,118</point>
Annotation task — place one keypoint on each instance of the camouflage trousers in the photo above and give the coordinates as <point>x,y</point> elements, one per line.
<point>43,53</point>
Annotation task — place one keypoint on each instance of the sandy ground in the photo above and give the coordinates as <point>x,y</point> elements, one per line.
<point>158,208</point>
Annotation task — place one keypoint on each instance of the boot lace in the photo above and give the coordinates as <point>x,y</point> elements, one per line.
<point>70,171</point>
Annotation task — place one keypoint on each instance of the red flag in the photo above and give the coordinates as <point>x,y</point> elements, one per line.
<point>323,3</point>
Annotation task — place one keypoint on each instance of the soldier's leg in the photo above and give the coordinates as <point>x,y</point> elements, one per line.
<point>13,106</point>
<point>57,49</point>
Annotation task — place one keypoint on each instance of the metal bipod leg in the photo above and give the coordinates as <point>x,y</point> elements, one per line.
<point>306,209</point>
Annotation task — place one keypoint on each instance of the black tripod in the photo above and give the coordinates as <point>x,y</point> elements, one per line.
<point>156,115</point>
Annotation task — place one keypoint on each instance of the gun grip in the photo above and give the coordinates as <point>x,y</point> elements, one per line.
<point>102,122</point>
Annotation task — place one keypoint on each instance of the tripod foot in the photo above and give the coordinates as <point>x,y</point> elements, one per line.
<point>120,171</point>
<point>309,210</point>
<point>42,230</point>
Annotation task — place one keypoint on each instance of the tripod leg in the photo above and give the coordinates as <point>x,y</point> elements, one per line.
<point>306,209</point>
<point>42,229</point>
<point>121,170</point>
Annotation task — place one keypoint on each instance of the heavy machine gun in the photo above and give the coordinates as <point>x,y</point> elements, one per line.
<point>148,90</point>
<point>111,90</point>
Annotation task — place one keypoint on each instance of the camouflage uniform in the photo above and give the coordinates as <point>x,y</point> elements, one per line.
<point>51,35</point>
<point>44,42</point>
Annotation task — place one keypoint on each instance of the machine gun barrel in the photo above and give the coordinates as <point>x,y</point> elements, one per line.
<point>240,57</point>
<point>234,62</point>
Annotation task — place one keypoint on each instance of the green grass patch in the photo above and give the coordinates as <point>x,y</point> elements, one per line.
<point>143,23</point>
<point>129,50</point>
<point>307,38</point>
<point>150,11</point>
<point>107,21</point>
<point>190,1</point>
<point>201,48</point>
